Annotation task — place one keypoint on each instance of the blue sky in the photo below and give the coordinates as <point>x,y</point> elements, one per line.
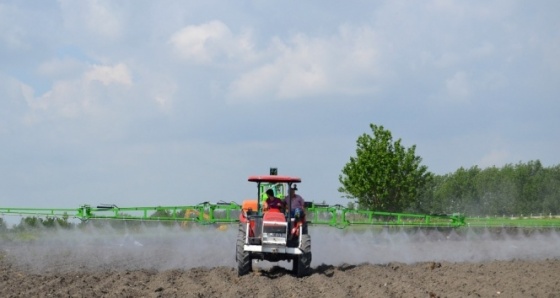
<point>146,103</point>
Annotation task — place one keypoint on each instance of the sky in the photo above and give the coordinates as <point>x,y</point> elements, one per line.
<point>162,103</point>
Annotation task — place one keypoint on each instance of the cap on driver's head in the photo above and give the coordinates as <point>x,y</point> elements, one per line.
<point>270,192</point>
<point>294,187</point>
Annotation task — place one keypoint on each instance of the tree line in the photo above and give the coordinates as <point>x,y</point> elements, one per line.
<point>386,176</point>
<point>514,189</point>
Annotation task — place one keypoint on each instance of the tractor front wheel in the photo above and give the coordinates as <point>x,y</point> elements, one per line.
<point>244,262</point>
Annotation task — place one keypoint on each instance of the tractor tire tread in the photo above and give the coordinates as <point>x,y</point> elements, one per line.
<point>243,258</point>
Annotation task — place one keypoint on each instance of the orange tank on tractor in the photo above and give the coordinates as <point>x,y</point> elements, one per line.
<point>272,235</point>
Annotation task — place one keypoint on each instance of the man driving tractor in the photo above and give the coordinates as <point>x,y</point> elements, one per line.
<point>272,202</point>
<point>297,203</point>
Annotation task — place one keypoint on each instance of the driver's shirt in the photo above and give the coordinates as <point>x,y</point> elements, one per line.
<point>274,202</point>
<point>297,202</point>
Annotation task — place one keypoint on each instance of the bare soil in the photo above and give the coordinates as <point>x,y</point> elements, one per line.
<point>516,278</point>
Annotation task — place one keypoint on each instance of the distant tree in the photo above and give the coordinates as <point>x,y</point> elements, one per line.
<point>56,222</point>
<point>27,223</point>
<point>34,223</point>
<point>384,175</point>
<point>161,213</point>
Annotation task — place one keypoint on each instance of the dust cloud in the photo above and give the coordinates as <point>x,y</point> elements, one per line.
<point>165,247</point>
<point>381,245</point>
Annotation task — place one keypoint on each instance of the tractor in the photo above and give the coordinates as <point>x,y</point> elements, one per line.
<point>272,235</point>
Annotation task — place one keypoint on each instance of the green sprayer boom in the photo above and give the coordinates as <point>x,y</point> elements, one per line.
<point>222,212</point>
<point>204,213</point>
<point>339,216</point>
<point>317,214</point>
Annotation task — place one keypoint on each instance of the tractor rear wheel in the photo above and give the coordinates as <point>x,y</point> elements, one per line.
<point>244,262</point>
<point>302,263</point>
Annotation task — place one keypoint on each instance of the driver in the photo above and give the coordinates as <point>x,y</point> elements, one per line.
<point>296,203</point>
<point>273,202</point>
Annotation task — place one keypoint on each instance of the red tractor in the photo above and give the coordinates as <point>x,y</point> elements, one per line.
<point>272,235</point>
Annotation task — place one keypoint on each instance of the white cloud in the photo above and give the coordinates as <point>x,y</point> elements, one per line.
<point>347,62</point>
<point>211,42</point>
<point>75,97</point>
<point>107,75</point>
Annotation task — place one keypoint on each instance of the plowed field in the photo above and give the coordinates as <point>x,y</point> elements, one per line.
<point>172,262</point>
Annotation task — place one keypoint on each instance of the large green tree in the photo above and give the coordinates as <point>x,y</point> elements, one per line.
<point>384,175</point>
